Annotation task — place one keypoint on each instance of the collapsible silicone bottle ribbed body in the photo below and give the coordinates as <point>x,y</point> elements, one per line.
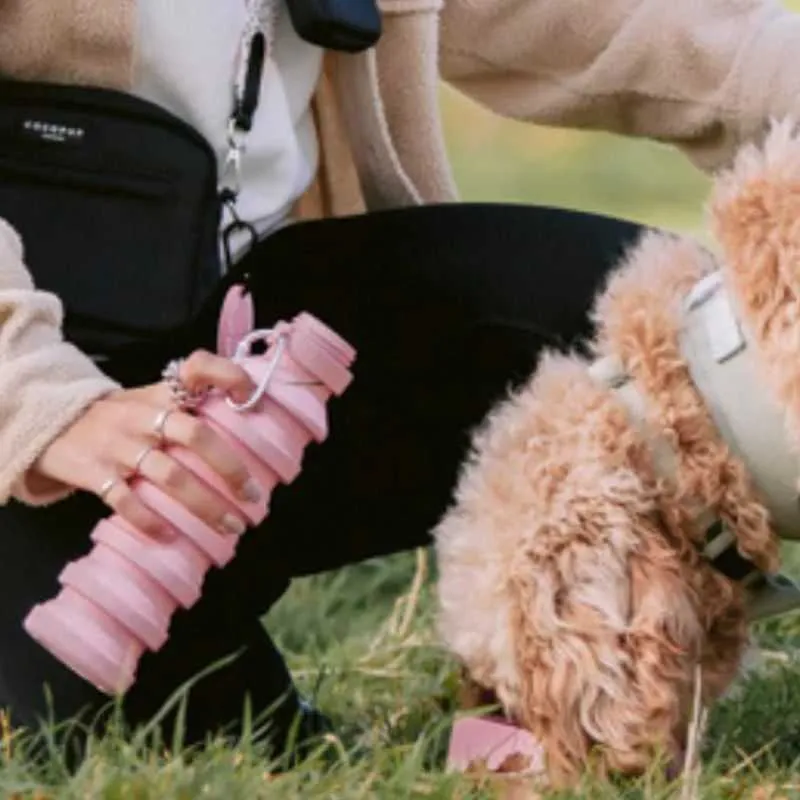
<point>117,602</point>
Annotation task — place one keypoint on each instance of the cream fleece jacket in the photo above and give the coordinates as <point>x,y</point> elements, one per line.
<point>704,75</point>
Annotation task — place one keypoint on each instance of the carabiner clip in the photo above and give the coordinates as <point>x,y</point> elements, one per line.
<point>242,351</point>
<point>231,178</point>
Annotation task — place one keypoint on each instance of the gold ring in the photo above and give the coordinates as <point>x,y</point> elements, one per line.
<point>160,424</point>
<point>141,457</point>
<point>107,486</point>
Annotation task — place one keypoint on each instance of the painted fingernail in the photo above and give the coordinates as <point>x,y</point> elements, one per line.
<point>251,492</point>
<point>233,525</point>
<point>243,394</point>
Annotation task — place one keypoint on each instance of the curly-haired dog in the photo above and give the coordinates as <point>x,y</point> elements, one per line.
<point>617,523</point>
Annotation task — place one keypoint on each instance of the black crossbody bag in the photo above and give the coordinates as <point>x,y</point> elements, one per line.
<point>119,203</point>
<point>116,201</point>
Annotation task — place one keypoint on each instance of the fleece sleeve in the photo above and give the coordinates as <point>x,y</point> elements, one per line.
<point>45,382</point>
<point>704,75</point>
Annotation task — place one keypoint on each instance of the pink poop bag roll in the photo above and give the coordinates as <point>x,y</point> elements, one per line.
<point>117,602</point>
<point>493,743</point>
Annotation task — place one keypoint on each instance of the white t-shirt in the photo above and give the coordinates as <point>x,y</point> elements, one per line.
<point>186,63</point>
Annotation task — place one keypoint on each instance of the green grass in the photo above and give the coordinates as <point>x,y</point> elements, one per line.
<point>361,641</point>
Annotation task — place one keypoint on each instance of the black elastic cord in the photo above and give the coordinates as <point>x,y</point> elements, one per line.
<point>245,108</point>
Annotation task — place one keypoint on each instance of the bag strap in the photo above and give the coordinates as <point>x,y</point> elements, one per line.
<point>254,50</point>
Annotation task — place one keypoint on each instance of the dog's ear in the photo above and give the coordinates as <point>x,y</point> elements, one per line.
<point>607,633</point>
<point>755,216</point>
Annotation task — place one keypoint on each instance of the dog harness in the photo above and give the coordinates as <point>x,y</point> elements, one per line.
<point>722,365</point>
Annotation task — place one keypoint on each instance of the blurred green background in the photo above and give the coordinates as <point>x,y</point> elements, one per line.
<point>502,160</point>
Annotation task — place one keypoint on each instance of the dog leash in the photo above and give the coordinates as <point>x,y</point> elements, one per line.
<point>718,540</point>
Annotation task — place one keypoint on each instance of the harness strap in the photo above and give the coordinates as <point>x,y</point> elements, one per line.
<point>723,369</point>
<point>720,544</point>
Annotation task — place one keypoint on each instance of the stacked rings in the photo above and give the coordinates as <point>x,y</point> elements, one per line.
<point>183,397</point>
<point>158,430</point>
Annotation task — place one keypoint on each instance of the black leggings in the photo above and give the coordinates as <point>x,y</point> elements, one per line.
<point>448,307</point>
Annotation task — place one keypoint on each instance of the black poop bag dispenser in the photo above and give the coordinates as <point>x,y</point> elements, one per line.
<point>350,26</point>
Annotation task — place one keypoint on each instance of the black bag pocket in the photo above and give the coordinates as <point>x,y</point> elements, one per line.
<point>116,203</point>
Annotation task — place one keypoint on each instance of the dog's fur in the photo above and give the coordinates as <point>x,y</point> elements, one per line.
<point>571,584</point>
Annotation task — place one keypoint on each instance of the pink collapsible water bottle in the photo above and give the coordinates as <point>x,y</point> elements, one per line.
<point>117,602</point>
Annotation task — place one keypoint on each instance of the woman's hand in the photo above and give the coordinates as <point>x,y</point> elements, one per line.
<point>114,433</point>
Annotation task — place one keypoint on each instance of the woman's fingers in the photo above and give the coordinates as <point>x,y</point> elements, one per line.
<point>196,435</point>
<point>202,370</point>
<point>160,469</point>
<point>141,422</point>
<point>115,492</point>
<point>124,432</point>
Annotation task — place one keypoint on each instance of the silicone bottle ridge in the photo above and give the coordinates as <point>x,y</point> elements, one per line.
<point>118,601</point>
